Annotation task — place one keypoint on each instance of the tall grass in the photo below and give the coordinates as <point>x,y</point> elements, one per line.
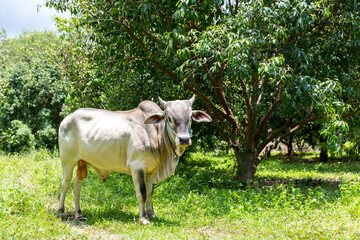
<point>288,200</point>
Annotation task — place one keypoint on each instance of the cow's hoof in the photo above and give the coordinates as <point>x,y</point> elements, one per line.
<point>80,219</point>
<point>144,221</point>
<point>61,213</point>
<point>153,215</point>
<point>63,217</point>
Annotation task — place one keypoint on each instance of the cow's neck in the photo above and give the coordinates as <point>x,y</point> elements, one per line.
<point>168,160</point>
<point>177,151</point>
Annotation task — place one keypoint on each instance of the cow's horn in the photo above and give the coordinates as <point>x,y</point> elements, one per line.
<point>192,100</point>
<point>163,103</point>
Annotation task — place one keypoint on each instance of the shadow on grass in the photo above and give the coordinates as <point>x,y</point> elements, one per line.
<point>110,215</point>
<point>304,183</point>
<point>203,180</point>
<point>202,174</point>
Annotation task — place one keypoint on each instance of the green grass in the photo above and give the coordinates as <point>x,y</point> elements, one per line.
<point>289,200</point>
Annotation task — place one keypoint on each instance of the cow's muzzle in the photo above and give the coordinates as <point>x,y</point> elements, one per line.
<point>185,140</point>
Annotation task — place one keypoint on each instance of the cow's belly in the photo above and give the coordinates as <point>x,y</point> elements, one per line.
<point>106,161</point>
<point>107,157</point>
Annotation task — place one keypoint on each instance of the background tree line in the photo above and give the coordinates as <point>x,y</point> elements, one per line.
<point>32,91</point>
<point>266,71</point>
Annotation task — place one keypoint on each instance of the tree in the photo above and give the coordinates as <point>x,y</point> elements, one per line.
<point>352,138</point>
<point>31,88</point>
<point>247,61</point>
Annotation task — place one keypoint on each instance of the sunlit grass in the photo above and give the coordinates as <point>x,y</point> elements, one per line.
<point>288,200</point>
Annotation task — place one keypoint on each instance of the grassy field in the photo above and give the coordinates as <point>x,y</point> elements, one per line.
<point>302,199</point>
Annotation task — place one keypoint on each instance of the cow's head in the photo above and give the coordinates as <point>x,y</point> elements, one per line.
<point>177,116</point>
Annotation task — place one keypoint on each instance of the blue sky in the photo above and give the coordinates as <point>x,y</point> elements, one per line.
<point>16,15</point>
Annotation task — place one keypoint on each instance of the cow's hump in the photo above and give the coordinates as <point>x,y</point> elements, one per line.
<point>149,107</point>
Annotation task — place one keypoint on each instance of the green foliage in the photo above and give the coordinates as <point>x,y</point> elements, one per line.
<point>26,46</point>
<point>18,137</point>
<point>106,82</point>
<point>31,86</point>
<point>300,42</point>
<point>352,138</point>
<point>47,137</point>
<point>32,93</point>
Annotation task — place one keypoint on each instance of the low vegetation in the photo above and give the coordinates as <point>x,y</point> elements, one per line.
<point>301,199</point>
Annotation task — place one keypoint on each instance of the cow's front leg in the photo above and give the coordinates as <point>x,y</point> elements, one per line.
<point>140,189</point>
<point>149,205</point>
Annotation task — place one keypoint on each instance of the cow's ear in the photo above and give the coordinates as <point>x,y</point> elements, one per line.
<point>155,118</point>
<point>200,116</point>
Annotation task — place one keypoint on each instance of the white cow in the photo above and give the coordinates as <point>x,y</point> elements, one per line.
<point>145,142</point>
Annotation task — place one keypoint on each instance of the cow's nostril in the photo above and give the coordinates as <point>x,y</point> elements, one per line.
<point>184,140</point>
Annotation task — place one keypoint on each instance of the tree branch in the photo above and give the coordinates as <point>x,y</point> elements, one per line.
<point>352,113</point>
<point>217,85</point>
<point>205,100</point>
<point>207,72</point>
<point>155,39</point>
<point>111,3</point>
<point>275,134</point>
<point>250,125</point>
<point>236,7</point>
<point>221,131</point>
<point>246,97</point>
<point>125,59</point>
<point>295,126</point>
<point>269,112</point>
<point>263,81</point>
<point>230,7</point>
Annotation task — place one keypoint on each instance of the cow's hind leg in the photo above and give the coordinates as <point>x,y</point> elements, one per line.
<point>140,189</point>
<point>149,205</point>
<point>65,184</point>
<point>80,175</point>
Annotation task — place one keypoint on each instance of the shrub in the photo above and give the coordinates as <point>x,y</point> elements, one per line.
<point>17,138</point>
<point>32,88</point>
<point>46,137</point>
<point>352,149</point>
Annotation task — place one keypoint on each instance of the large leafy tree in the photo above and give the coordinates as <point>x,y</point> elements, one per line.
<point>262,69</point>
<point>31,86</point>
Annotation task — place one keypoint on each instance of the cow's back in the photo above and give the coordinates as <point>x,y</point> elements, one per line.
<point>105,139</point>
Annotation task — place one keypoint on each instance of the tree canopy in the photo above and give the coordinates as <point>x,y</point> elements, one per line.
<point>262,69</point>
<point>31,90</point>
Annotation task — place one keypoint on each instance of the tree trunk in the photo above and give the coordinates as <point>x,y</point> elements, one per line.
<point>246,166</point>
<point>323,150</point>
<point>324,157</point>
<point>268,154</point>
<point>290,148</point>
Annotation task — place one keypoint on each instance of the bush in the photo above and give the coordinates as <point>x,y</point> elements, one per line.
<point>32,88</point>
<point>18,138</point>
<point>46,137</point>
<point>352,149</point>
